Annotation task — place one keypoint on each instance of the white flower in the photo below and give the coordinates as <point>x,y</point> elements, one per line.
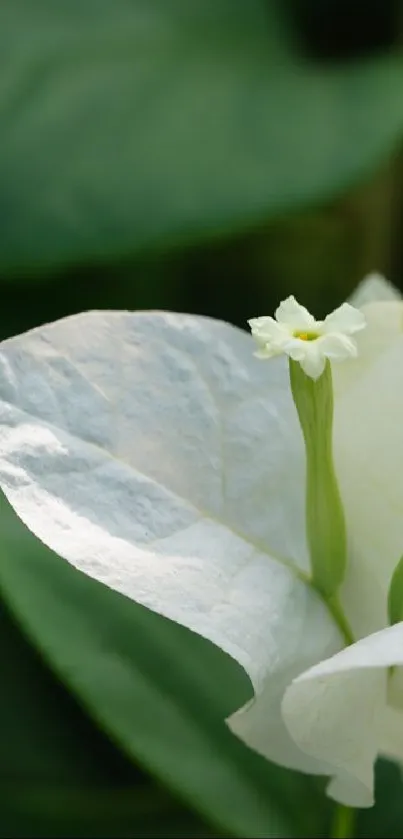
<point>296,333</point>
<point>153,453</point>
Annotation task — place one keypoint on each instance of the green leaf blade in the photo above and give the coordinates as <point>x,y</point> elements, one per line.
<point>139,125</point>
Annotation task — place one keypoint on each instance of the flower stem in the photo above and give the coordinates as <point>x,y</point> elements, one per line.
<point>325,523</point>
<point>343,822</point>
<point>336,611</point>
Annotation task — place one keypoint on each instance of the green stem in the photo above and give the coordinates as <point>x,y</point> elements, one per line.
<point>343,822</point>
<point>336,611</point>
<point>325,525</point>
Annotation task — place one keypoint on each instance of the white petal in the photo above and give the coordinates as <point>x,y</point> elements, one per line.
<point>337,709</point>
<point>384,326</point>
<point>266,351</point>
<point>296,349</point>
<point>269,334</point>
<point>337,347</point>
<point>368,437</point>
<point>392,734</point>
<point>303,637</point>
<point>374,289</point>
<point>154,453</point>
<point>313,363</point>
<point>259,325</point>
<point>292,314</point>
<point>345,319</point>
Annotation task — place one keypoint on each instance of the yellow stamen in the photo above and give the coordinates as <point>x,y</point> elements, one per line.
<point>306,336</point>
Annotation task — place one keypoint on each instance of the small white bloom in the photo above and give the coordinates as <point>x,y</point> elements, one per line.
<point>296,333</point>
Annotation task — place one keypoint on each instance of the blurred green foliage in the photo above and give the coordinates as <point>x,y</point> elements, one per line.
<point>210,157</point>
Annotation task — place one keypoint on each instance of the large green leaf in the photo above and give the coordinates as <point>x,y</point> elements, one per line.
<point>159,691</point>
<point>140,122</point>
<point>59,775</point>
<point>30,811</point>
<point>45,737</point>
<point>386,817</point>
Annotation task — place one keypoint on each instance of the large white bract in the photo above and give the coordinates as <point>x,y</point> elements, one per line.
<point>156,455</point>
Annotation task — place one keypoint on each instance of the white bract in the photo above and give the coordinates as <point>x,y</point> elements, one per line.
<point>374,289</point>
<point>296,333</point>
<point>155,454</point>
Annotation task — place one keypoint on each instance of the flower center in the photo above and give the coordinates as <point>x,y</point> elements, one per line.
<point>306,336</point>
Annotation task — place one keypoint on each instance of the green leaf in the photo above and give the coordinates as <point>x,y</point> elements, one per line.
<point>395,594</point>
<point>159,691</point>
<point>36,713</point>
<point>59,775</point>
<point>49,811</point>
<point>386,817</point>
<point>136,124</point>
